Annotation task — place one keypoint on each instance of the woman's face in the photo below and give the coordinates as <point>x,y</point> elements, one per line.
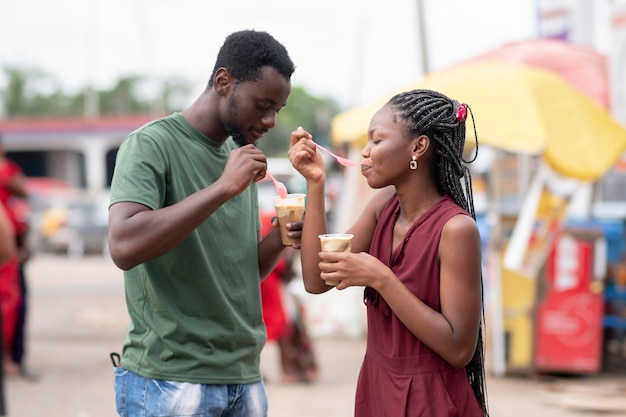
<point>388,152</point>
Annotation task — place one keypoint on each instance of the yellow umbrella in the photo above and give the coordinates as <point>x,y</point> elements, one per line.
<point>519,109</point>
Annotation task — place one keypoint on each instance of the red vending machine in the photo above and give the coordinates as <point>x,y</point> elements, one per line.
<point>571,309</point>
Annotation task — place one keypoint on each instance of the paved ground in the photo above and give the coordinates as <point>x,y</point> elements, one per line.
<point>78,317</point>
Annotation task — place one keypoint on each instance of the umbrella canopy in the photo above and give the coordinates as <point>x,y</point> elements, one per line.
<point>520,109</point>
<point>584,68</point>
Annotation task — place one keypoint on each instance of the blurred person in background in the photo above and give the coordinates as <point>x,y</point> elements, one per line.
<point>12,278</point>
<point>417,252</point>
<point>284,316</point>
<point>7,251</point>
<point>8,246</point>
<point>184,225</point>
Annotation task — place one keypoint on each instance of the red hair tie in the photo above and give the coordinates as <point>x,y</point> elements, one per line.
<point>461,113</point>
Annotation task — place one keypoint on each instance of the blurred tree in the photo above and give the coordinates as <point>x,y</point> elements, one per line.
<point>125,97</point>
<point>30,92</point>
<point>312,113</point>
<point>24,93</point>
<point>175,93</point>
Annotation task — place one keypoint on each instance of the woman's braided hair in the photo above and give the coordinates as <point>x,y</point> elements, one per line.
<point>442,119</point>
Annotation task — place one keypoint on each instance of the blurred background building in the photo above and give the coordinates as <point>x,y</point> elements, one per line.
<point>555,266</point>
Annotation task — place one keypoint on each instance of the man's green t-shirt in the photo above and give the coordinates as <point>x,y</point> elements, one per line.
<point>196,310</point>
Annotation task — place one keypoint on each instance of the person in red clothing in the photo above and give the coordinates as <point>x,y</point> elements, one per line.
<point>7,237</point>
<point>284,317</point>
<point>12,185</point>
<point>416,251</point>
<point>274,315</point>
<point>7,250</point>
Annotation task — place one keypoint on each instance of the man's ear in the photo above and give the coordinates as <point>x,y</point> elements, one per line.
<point>222,81</point>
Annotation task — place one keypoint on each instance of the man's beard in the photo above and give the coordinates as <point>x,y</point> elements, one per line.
<point>232,130</point>
<point>235,134</point>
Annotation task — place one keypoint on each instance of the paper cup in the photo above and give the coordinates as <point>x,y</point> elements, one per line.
<point>336,242</point>
<point>289,209</point>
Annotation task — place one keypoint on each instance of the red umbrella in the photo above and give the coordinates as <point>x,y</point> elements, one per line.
<point>583,67</point>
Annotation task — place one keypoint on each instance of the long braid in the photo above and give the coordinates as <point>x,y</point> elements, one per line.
<point>435,115</point>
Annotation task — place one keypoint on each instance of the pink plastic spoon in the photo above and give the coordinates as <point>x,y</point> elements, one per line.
<point>343,161</point>
<point>280,187</point>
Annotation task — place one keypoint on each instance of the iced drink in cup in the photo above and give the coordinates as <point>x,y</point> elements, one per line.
<point>290,209</point>
<point>336,242</point>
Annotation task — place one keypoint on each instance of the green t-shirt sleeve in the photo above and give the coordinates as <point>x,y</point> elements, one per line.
<point>140,172</point>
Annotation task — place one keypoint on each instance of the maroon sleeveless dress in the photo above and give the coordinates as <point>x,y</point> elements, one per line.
<point>401,376</point>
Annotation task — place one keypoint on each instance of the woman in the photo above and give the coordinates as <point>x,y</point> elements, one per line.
<point>416,250</point>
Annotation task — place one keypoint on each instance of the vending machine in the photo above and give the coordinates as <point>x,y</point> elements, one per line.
<point>571,305</point>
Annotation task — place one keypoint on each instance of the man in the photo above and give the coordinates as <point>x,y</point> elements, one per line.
<point>184,226</point>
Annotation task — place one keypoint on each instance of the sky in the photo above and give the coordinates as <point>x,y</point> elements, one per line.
<point>353,51</point>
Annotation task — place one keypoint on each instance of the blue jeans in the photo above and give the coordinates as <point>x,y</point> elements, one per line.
<point>138,396</point>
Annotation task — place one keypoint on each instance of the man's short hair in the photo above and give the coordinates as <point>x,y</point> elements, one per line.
<point>245,53</point>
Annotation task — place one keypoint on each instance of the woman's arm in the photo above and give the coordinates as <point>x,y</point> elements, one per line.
<point>310,164</point>
<point>453,333</point>
<point>305,158</point>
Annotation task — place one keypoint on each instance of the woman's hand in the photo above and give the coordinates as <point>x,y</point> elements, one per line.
<point>304,156</point>
<point>352,269</point>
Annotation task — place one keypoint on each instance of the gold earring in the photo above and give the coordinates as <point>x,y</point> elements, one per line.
<point>413,163</point>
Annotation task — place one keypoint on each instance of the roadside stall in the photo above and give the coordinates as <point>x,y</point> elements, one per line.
<point>547,132</point>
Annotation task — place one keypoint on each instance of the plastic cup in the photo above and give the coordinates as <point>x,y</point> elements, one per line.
<point>336,242</point>
<point>290,209</point>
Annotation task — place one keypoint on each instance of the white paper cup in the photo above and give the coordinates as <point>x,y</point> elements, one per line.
<point>336,242</point>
